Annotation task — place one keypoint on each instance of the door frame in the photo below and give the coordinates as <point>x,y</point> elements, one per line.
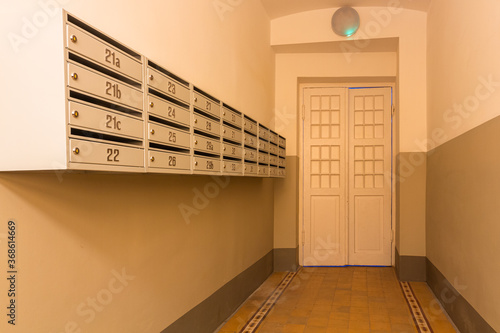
<point>300,152</point>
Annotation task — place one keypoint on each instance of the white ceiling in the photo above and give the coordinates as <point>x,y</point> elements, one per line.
<point>278,8</point>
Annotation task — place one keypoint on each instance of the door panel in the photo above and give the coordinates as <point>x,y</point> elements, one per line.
<point>325,177</point>
<point>347,176</point>
<point>370,176</point>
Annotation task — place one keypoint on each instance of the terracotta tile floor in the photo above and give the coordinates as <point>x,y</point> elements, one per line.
<point>344,299</point>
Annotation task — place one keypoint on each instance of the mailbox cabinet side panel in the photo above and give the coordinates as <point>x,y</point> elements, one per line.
<point>32,104</point>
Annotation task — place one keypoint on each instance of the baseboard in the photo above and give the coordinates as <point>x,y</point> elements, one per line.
<point>464,316</point>
<point>286,260</point>
<point>213,311</point>
<point>411,268</point>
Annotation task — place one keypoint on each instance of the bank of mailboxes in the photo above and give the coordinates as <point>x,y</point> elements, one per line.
<point>125,113</point>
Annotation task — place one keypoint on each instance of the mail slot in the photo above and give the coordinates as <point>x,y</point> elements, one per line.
<point>206,125</point>
<point>231,133</point>
<point>102,86</point>
<point>281,151</point>
<point>206,144</point>
<point>231,117</point>
<point>263,158</point>
<point>105,121</point>
<point>89,152</point>
<point>232,167</point>
<point>263,133</point>
<point>91,47</point>
<point>273,171</point>
<point>273,160</point>
<point>250,155</point>
<point>273,149</point>
<point>207,164</point>
<point>168,111</point>
<point>232,150</point>
<point>205,104</point>
<point>250,125</point>
<point>281,162</point>
<point>250,169</point>
<point>250,140</point>
<point>168,135</point>
<point>273,137</point>
<point>168,160</point>
<point>263,145</point>
<point>167,85</point>
<point>281,142</point>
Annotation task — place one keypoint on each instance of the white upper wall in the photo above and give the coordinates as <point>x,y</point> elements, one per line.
<point>463,67</point>
<point>376,22</point>
<point>224,50</point>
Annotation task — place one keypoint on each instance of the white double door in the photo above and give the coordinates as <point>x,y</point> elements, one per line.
<point>347,176</point>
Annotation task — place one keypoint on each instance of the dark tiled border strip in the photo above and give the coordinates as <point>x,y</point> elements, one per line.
<point>254,322</point>
<point>421,322</point>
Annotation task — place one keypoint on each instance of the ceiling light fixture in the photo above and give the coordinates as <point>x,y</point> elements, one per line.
<point>345,21</point>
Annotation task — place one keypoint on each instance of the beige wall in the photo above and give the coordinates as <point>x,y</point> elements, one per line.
<point>464,76</point>
<point>75,230</point>
<point>463,189</point>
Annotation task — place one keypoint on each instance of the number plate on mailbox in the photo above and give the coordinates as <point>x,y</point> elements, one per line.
<point>104,121</point>
<point>169,160</point>
<point>104,87</point>
<point>167,85</point>
<point>206,125</point>
<point>168,135</point>
<point>206,164</point>
<point>208,145</point>
<point>106,154</point>
<point>168,111</point>
<point>106,55</point>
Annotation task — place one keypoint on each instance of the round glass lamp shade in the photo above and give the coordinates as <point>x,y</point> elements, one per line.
<point>345,21</point>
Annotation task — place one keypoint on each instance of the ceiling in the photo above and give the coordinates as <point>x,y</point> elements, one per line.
<point>279,8</point>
